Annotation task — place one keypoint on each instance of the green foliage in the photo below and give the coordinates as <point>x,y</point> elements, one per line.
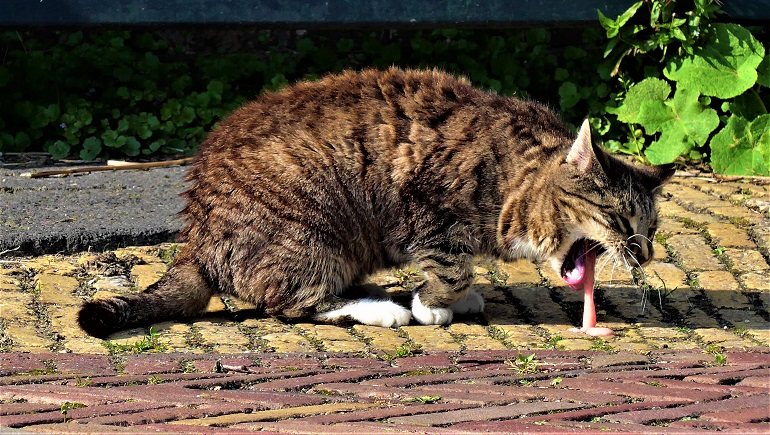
<point>425,400</point>
<point>524,364</point>
<point>148,344</point>
<point>67,406</point>
<point>702,92</point>
<point>662,82</point>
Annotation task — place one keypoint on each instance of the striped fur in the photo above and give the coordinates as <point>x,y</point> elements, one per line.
<point>298,196</point>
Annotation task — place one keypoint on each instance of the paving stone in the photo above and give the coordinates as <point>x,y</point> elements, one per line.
<point>756,281</point>
<point>520,272</point>
<point>57,289</point>
<point>728,235</point>
<point>694,253</point>
<point>537,303</point>
<point>145,275</point>
<point>519,336</point>
<point>745,260</point>
<point>476,337</point>
<point>431,336</point>
<point>487,413</point>
<point>720,336</point>
<point>275,414</point>
<point>380,339</point>
<point>665,275</point>
<point>220,335</point>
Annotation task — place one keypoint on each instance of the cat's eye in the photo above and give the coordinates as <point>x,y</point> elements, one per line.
<point>622,224</point>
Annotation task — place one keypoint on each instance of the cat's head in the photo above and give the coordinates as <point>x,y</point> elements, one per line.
<point>605,204</point>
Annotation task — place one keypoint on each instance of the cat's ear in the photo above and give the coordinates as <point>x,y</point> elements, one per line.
<point>658,175</point>
<point>581,155</point>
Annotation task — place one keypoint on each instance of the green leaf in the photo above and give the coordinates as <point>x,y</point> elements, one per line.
<point>568,95</point>
<point>59,150</point>
<point>747,105</point>
<point>684,123</point>
<point>22,140</point>
<point>91,148</point>
<point>742,147</point>
<point>649,89</point>
<point>724,66</point>
<point>763,71</point>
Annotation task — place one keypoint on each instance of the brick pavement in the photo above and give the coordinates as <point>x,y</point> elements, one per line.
<point>690,354</point>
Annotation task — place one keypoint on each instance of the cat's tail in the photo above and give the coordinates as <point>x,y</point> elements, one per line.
<point>180,294</point>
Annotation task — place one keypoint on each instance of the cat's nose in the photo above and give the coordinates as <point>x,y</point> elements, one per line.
<point>641,248</point>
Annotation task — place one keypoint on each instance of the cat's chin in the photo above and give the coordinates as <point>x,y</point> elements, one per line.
<point>573,268</point>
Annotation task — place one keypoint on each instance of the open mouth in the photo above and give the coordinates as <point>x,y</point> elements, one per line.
<point>576,268</point>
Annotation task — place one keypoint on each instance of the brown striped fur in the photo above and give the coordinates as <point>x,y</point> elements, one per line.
<point>296,197</point>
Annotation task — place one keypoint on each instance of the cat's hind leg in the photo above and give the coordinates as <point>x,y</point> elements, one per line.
<point>180,294</point>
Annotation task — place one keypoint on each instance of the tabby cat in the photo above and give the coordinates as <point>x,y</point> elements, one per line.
<point>296,197</point>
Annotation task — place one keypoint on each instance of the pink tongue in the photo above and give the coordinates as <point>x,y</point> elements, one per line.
<point>589,309</point>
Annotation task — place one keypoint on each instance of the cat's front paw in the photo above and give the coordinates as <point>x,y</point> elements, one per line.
<point>471,303</point>
<point>430,316</point>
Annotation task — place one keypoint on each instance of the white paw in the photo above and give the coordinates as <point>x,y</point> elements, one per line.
<point>471,303</point>
<point>387,314</point>
<point>430,316</point>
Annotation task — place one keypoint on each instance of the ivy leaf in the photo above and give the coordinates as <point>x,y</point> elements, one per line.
<point>91,148</point>
<point>742,147</point>
<point>724,66</point>
<point>649,89</point>
<point>684,123</point>
<point>59,150</point>
<point>568,95</point>
<point>763,71</point>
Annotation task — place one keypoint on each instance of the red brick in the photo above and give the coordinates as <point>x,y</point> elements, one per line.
<point>294,427</point>
<point>591,413</point>
<point>385,412</point>
<point>514,426</point>
<point>309,381</point>
<point>26,408</point>
<point>515,410</point>
<point>438,361</point>
<point>727,428</point>
<point>759,414</point>
<point>193,429</point>
<point>617,359</point>
<point>295,361</point>
<point>91,365</point>
<point>646,392</point>
<point>246,380</point>
<point>734,390</point>
<point>14,363</point>
<point>755,381</point>
<point>357,363</point>
<point>731,377</point>
<point>679,412</point>
<point>150,364</point>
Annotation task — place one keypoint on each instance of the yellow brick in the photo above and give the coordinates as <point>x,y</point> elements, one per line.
<point>575,344</point>
<point>26,338</point>
<point>520,336</point>
<point>694,253</point>
<point>728,235</point>
<point>221,334</point>
<point>744,260</point>
<point>381,339</point>
<point>14,306</point>
<point>57,289</point>
<point>520,272</point>
<point>431,337</point>
<point>756,280</point>
<point>145,275</point>
<point>664,276</point>
<point>288,342</point>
